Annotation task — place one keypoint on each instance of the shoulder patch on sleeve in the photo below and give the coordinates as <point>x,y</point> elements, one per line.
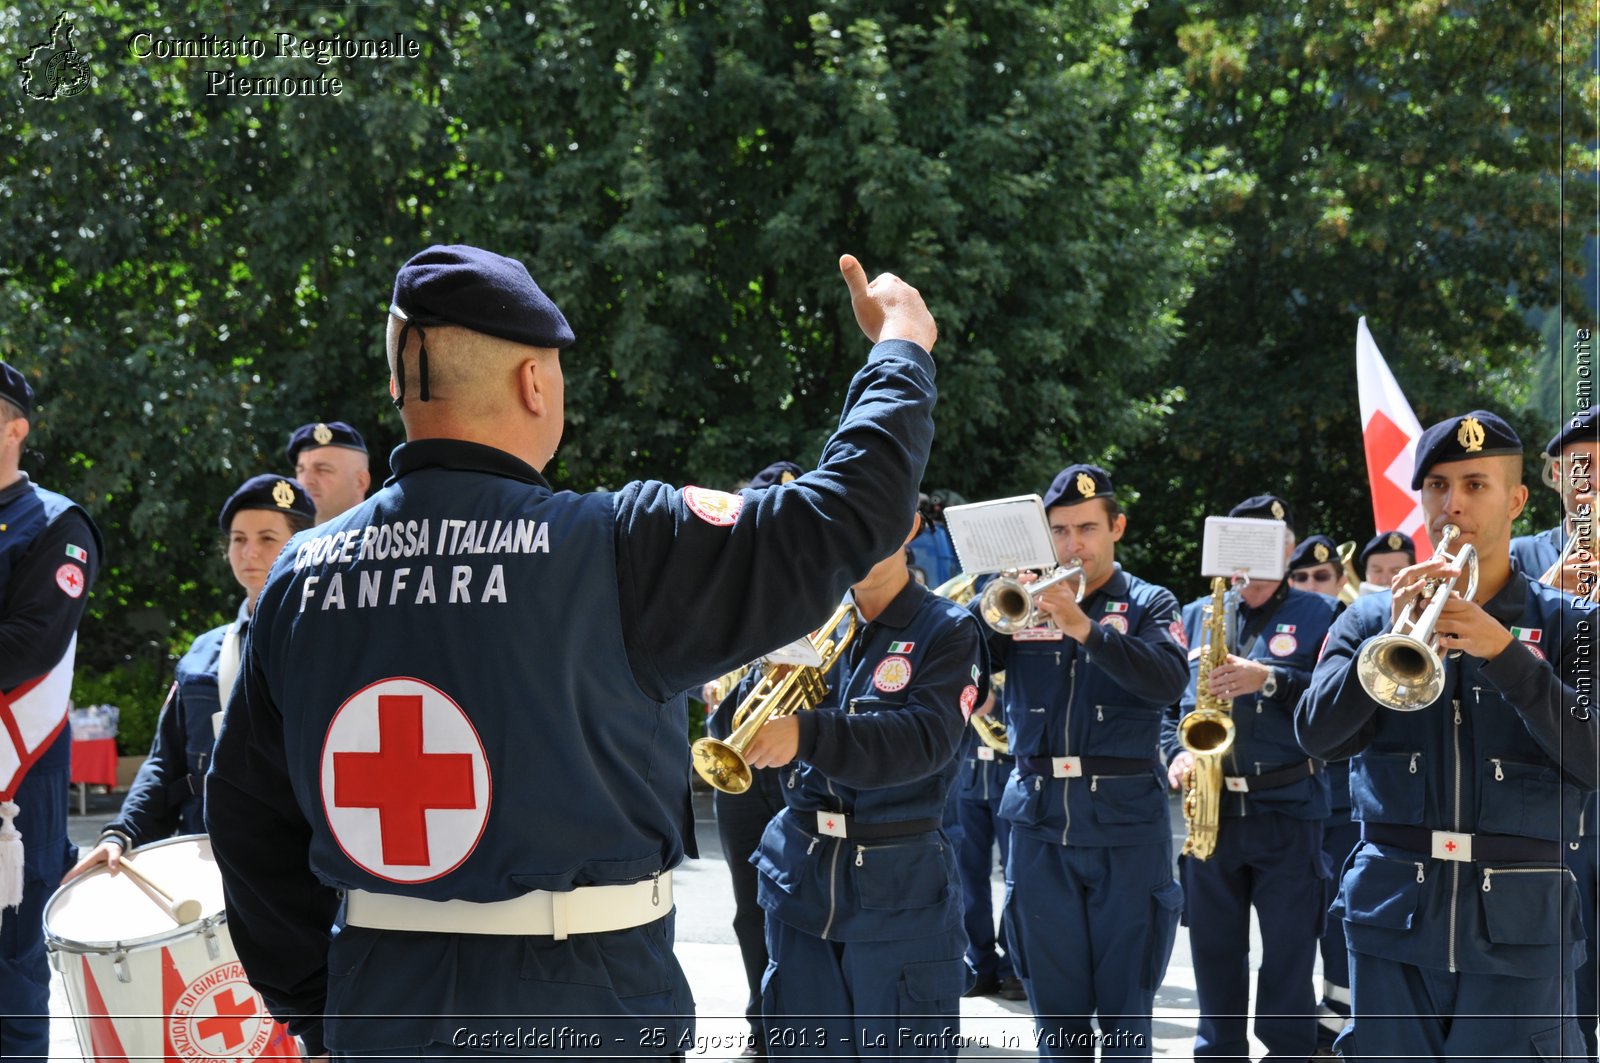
<point>713,507</point>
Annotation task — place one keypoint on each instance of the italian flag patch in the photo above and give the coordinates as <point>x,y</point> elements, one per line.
<point>1286,629</point>
<point>77,553</point>
<point>1527,634</point>
<point>901,647</point>
<point>1116,607</point>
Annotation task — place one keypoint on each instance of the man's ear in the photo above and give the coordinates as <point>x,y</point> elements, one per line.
<point>531,386</point>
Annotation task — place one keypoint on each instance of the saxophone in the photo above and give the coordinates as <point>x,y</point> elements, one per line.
<point>1207,732</point>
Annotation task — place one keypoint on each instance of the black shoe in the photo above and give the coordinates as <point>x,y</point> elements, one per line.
<point>1010,988</point>
<point>983,987</point>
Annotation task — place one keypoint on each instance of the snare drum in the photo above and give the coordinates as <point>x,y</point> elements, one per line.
<point>142,987</point>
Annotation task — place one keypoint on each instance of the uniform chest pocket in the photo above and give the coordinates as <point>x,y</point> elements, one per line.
<point>895,875</point>
<point>1119,799</point>
<point>1378,891</point>
<point>1124,731</point>
<point>1527,799</point>
<point>1525,905</point>
<point>1388,787</point>
<point>1028,799</point>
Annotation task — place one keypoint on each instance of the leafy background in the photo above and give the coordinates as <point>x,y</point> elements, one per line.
<point>1147,230</point>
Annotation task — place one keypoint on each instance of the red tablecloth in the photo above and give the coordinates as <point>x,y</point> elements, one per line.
<point>94,760</point>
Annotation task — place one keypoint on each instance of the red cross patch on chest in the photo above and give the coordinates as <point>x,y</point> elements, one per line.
<point>405,782</point>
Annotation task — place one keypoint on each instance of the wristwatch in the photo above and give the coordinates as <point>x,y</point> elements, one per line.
<point>1269,689</point>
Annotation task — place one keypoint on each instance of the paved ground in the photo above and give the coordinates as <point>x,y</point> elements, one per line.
<point>990,1028</point>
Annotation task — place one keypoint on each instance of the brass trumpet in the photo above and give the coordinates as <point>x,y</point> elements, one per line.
<point>1403,670</point>
<point>782,690</point>
<point>1008,605</point>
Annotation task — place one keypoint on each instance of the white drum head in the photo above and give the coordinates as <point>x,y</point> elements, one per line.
<point>97,910</point>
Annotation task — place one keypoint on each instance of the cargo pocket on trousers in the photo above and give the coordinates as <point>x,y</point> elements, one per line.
<point>1166,903</point>
<point>1562,1042</point>
<point>933,987</point>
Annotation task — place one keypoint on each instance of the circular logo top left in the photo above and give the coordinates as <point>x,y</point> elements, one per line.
<point>405,781</point>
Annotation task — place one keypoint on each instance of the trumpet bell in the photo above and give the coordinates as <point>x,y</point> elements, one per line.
<point>1400,672</point>
<point>1006,606</point>
<point>721,765</point>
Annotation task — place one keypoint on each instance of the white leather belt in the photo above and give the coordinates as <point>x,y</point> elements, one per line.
<point>585,910</point>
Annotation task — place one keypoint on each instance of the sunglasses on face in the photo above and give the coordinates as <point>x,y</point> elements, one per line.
<point>1308,576</point>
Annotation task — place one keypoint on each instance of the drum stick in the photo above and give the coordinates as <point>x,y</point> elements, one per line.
<point>182,912</point>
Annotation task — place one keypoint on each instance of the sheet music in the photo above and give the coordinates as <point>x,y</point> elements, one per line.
<point>1002,534</point>
<point>1247,545</point>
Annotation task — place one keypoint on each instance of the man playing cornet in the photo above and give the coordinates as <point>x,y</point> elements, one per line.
<point>1458,913</point>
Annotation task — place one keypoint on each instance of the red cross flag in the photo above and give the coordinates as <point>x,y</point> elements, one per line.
<point>405,782</point>
<point>1389,431</point>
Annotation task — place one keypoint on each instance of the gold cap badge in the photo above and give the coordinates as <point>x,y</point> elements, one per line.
<point>1277,510</point>
<point>283,494</point>
<point>1470,434</point>
<point>1395,542</point>
<point>322,434</point>
<point>785,476</point>
<point>1319,552</point>
<point>1085,485</point>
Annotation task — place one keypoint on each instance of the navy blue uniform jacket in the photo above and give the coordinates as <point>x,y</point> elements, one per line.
<point>1287,632</point>
<point>1104,698</point>
<point>1509,748</point>
<point>168,795</point>
<point>547,629</point>
<point>882,749</point>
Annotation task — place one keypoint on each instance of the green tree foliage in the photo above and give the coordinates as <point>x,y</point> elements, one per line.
<point>191,275</point>
<point>1398,160</point>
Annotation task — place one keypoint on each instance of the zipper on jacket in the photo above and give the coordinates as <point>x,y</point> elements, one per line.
<point>833,888</point>
<point>1420,876</point>
<point>1455,825</point>
<point>1490,872</point>
<point>1499,776</point>
<point>1066,784</point>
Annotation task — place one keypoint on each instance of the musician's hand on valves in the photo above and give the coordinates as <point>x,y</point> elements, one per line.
<point>1409,583</point>
<point>108,852</point>
<point>1238,677</point>
<point>888,308</point>
<point>1178,770</point>
<point>776,744</point>
<point>1060,604</point>
<point>1464,626</point>
<point>711,694</point>
<point>1577,576</point>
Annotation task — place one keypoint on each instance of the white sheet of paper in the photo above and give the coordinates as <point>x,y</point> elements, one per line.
<point>800,651</point>
<point>1247,545</point>
<point>1001,534</point>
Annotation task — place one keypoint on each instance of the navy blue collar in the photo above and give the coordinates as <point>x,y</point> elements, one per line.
<point>903,607</point>
<point>460,456</point>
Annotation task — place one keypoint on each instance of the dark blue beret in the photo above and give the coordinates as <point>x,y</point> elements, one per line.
<point>1578,429</point>
<point>323,434</point>
<point>1314,550</point>
<point>14,387</point>
<point>277,493</point>
<point>779,472</point>
<point>456,284</point>
<point>1479,434</point>
<point>1078,483</point>
<point>1265,507</point>
<point>1388,542</point>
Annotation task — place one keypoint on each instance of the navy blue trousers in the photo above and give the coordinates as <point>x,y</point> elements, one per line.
<point>981,830</point>
<point>1408,1013</point>
<point>863,999</point>
<point>1093,928</point>
<point>1275,864</point>
<point>1339,839</point>
<point>24,965</point>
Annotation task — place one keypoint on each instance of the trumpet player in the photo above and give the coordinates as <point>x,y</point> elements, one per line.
<point>1092,904</point>
<point>1460,919</point>
<point>858,880</point>
<point>1268,853</point>
<point>1563,556</point>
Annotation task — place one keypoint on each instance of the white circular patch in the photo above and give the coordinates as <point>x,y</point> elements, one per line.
<point>218,1016</point>
<point>969,700</point>
<point>713,507</point>
<point>70,579</point>
<point>1283,644</point>
<point>405,782</point>
<point>1533,648</point>
<point>1116,622</point>
<point>892,673</point>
